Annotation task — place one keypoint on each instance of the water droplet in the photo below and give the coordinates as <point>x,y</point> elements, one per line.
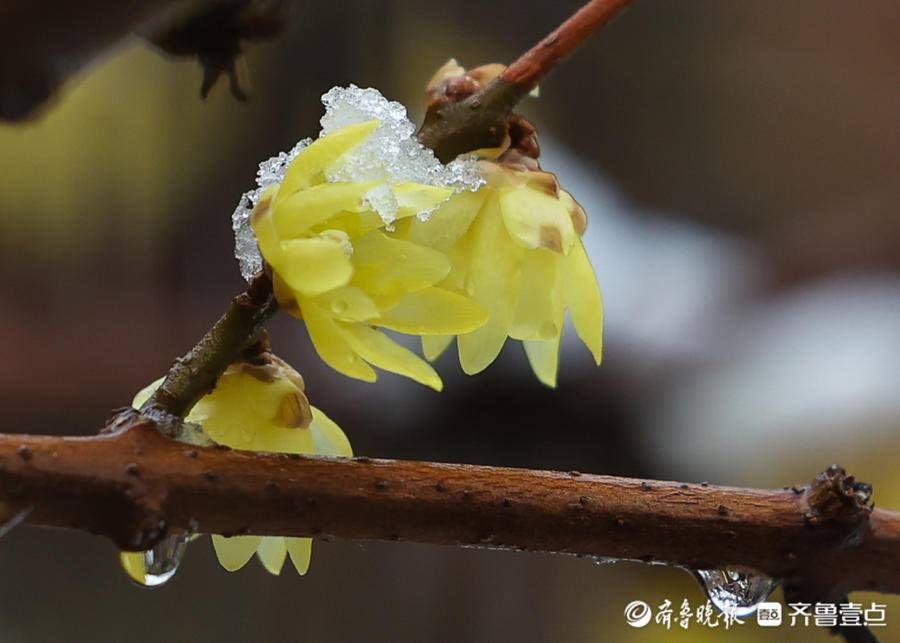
<point>604,560</point>
<point>339,306</point>
<point>736,591</point>
<point>156,566</point>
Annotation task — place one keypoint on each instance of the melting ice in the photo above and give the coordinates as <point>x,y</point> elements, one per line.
<point>392,154</point>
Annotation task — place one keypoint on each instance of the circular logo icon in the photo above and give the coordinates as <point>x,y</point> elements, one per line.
<point>637,613</point>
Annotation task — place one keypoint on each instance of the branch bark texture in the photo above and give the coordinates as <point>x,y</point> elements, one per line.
<point>134,484</point>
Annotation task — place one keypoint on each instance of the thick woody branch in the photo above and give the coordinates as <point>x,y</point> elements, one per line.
<point>133,485</point>
<point>480,121</point>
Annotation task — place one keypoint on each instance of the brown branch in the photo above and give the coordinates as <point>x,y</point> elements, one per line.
<point>526,72</point>
<point>194,375</point>
<point>134,484</point>
<point>480,121</point>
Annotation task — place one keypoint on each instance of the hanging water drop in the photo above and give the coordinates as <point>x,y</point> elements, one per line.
<point>735,591</point>
<point>156,566</point>
<point>604,560</point>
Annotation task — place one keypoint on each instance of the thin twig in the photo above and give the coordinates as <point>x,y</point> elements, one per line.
<point>194,375</point>
<point>534,65</point>
<point>480,121</point>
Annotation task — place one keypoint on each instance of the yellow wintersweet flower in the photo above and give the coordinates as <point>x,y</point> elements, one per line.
<point>334,266</point>
<point>259,406</point>
<point>516,249</point>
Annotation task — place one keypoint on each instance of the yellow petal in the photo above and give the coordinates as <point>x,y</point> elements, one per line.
<point>582,294</point>
<point>272,552</point>
<point>314,265</point>
<point>297,214</point>
<point>381,351</point>
<point>348,303</point>
<point>413,198</point>
<point>539,311</point>
<point>355,224</point>
<point>460,256</point>
<point>332,346</point>
<point>286,297</point>
<point>300,550</point>
<point>233,553</point>
<point>434,345</point>
<point>245,413</point>
<point>448,223</point>
<point>145,393</point>
<point>536,219</point>
<point>328,437</point>
<point>264,227</point>
<point>307,169</point>
<point>433,311</point>
<point>133,564</point>
<point>543,356</point>
<point>393,267</point>
<point>492,280</point>
<point>270,438</point>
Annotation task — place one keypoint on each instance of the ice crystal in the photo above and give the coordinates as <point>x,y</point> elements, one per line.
<point>383,201</point>
<point>245,248</point>
<point>269,173</point>
<point>391,155</point>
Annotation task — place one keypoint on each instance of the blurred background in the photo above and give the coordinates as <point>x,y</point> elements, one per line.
<point>738,162</point>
